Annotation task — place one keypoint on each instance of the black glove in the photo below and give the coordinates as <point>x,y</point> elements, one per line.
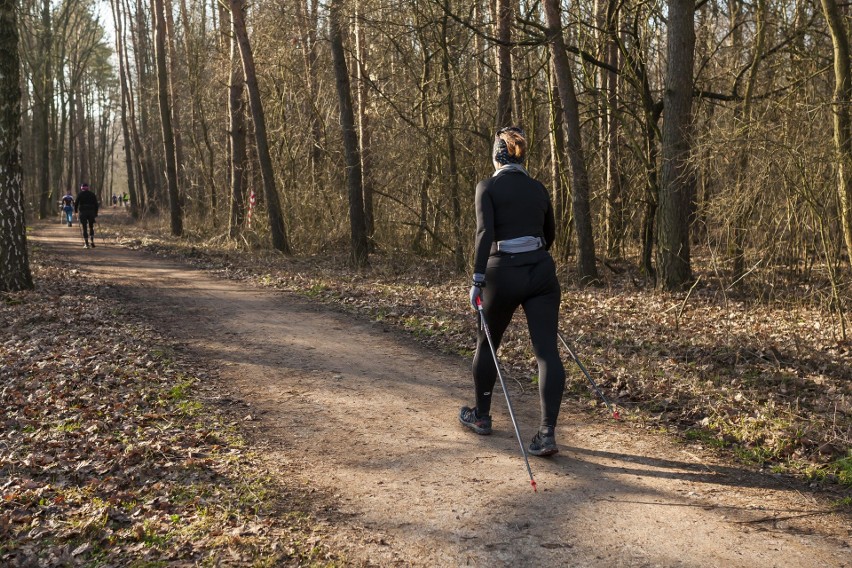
<point>476,290</point>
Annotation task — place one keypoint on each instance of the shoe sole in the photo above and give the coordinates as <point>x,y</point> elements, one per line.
<point>475,428</point>
<point>544,452</point>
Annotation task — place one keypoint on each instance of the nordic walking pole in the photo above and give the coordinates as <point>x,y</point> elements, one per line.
<point>609,407</point>
<point>505,391</point>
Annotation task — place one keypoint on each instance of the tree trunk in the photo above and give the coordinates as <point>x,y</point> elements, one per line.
<point>357,221</point>
<point>149,194</point>
<point>237,138</point>
<point>652,192</point>
<point>579,176</point>
<point>842,117</point>
<point>428,168</point>
<point>71,166</point>
<point>614,211</point>
<point>14,261</point>
<point>175,99</point>
<point>364,137</point>
<point>559,187</point>
<point>82,147</point>
<point>504,63</point>
<point>125,95</point>
<point>270,193</point>
<point>676,180</point>
<point>453,174</point>
<point>307,31</point>
<point>44,97</point>
<point>166,120</point>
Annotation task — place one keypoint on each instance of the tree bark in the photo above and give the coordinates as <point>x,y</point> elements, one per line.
<point>559,187</point>
<point>44,97</point>
<point>175,99</point>
<point>354,181</point>
<point>307,32</point>
<point>842,116</point>
<point>453,175</point>
<point>504,63</point>
<point>15,272</point>
<point>429,166</point>
<point>125,98</point>
<point>676,180</point>
<point>237,137</point>
<point>580,180</point>
<point>364,133</point>
<point>150,196</point>
<point>614,211</point>
<point>79,118</point>
<point>175,207</point>
<point>270,192</point>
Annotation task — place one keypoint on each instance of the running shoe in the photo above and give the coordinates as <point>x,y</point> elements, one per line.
<point>544,443</point>
<point>479,424</point>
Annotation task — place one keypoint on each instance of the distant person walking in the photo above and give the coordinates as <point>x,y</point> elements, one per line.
<point>67,205</point>
<point>86,206</point>
<point>515,228</point>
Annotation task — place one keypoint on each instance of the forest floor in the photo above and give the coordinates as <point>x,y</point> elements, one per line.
<point>175,404</point>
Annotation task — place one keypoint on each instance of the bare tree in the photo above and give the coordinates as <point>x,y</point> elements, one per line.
<point>270,192</point>
<point>571,115</point>
<point>125,120</point>
<point>175,206</point>
<point>237,137</point>
<point>452,157</point>
<point>43,93</point>
<point>842,115</point>
<point>175,97</point>
<point>364,129</point>
<point>614,211</point>
<point>14,261</point>
<point>307,22</point>
<point>504,62</point>
<point>357,222</point>
<point>673,253</point>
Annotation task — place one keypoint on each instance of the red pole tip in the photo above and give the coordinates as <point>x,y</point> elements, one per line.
<point>616,415</point>
<point>532,482</point>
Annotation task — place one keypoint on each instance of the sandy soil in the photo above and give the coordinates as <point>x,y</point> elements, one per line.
<point>366,419</point>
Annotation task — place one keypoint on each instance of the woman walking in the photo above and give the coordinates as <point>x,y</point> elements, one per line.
<point>515,228</point>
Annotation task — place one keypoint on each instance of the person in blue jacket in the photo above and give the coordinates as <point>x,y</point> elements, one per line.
<point>68,207</point>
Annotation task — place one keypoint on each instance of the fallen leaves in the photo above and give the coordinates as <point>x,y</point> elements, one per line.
<point>106,455</point>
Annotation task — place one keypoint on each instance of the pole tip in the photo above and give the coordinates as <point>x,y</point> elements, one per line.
<point>535,488</point>
<point>616,415</point>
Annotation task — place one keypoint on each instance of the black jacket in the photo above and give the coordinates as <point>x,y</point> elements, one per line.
<point>87,203</point>
<point>510,205</point>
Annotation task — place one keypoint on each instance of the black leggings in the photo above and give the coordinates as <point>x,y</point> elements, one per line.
<point>536,288</point>
<point>88,219</point>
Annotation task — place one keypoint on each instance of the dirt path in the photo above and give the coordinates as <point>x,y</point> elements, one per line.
<point>368,418</point>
